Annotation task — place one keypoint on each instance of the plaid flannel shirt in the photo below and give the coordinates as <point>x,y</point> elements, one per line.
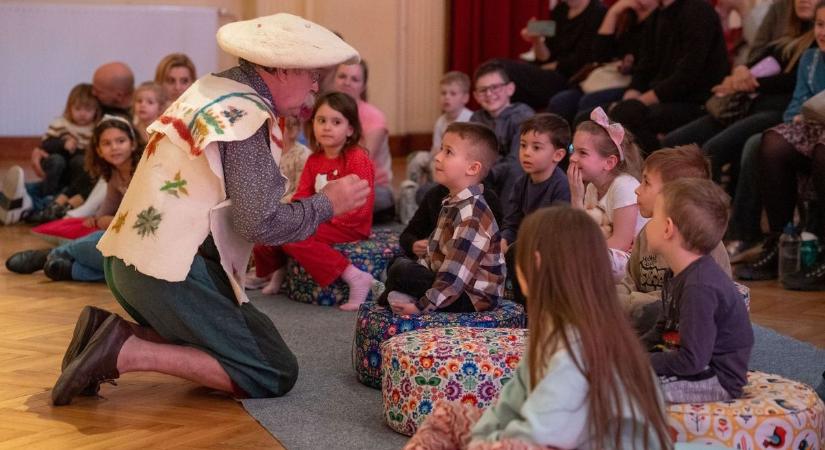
<point>465,252</point>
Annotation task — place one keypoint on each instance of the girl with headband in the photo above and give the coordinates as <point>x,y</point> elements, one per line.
<point>604,172</point>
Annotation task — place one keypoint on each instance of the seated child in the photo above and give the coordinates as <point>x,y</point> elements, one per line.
<point>545,139</point>
<point>463,268</point>
<point>149,102</point>
<point>67,136</point>
<point>416,235</point>
<point>580,384</point>
<point>640,289</point>
<point>293,160</point>
<point>65,183</point>
<point>336,153</point>
<point>704,328</point>
<point>493,90</point>
<point>603,174</point>
<point>113,156</point>
<point>455,93</point>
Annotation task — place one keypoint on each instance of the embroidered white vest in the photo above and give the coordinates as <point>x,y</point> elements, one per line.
<point>177,194</point>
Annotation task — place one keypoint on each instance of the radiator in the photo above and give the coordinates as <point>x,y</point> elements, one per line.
<point>46,49</point>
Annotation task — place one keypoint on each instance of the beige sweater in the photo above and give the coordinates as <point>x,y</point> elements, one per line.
<point>642,283</point>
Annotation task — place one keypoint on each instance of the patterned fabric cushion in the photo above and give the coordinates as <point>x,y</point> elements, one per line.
<point>468,365</point>
<point>746,294</point>
<point>774,413</point>
<point>371,256</point>
<point>376,324</point>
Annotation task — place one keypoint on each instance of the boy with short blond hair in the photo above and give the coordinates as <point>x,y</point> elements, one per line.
<point>703,338</point>
<point>640,290</point>
<point>463,269</point>
<point>493,91</point>
<point>453,98</point>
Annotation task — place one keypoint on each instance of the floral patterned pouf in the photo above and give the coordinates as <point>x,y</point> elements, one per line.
<point>746,294</point>
<point>774,413</point>
<point>376,324</point>
<point>468,365</point>
<point>371,256</point>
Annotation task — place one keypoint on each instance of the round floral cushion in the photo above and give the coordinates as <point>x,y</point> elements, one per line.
<point>371,256</point>
<point>467,365</point>
<point>376,324</point>
<point>774,413</point>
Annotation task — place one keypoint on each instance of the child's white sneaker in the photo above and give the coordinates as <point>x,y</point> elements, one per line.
<point>14,199</point>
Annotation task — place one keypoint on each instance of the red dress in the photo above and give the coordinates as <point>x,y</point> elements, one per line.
<point>315,253</point>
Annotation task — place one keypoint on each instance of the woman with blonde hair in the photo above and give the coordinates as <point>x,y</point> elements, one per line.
<point>175,72</point>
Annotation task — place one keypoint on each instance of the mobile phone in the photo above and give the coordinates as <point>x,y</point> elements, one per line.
<point>542,27</point>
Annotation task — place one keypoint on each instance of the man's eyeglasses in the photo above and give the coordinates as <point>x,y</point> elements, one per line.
<point>491,89</point>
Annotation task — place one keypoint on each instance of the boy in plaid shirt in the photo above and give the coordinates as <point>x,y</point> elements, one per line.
<point>463,269</point>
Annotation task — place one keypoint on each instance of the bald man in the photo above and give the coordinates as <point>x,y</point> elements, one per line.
<point>113,84</point>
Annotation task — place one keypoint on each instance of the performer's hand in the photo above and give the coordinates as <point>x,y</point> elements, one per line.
<point>420,247</point>
<point>346,193</point>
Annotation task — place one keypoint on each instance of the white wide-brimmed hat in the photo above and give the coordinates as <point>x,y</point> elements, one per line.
<point>285,41</point>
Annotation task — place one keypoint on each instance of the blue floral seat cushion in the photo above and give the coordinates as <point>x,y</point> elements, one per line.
<point>376,324</point>
<point>371,256</point>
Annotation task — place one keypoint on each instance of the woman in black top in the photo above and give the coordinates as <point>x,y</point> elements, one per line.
<point>557,57</point>
<point>617,42</point>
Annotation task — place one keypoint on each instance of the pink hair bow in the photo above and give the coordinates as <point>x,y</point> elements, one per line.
<point>614,130</point>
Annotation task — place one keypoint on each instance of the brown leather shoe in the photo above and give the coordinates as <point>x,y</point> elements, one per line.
<point>96,363</point>
<point>88,322</point>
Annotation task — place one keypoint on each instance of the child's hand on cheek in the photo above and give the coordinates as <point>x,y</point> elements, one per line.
<point>574,178</point>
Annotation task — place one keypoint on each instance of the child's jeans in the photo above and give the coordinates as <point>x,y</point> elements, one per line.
<point>409,277</point>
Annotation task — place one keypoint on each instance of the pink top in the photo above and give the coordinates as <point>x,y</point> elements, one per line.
<point>372,119</point>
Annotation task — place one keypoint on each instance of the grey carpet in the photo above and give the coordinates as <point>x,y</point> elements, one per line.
<point>329,408</point>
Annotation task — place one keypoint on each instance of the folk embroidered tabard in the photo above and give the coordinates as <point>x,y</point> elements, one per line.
<point>177,195</point>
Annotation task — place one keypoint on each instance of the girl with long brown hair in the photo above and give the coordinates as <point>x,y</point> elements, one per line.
<point>584,381</point>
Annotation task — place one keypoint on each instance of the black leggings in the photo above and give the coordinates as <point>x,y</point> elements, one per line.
<point>780,165</point>
<point>409,277</point>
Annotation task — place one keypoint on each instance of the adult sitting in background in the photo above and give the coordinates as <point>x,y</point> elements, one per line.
<point>558,57</point>
<point>790,150</point>
<point>764,89</point>
<point>614,51</point>
<point>175,72</point>
<point>683,56</point>
<point>201,195</point>
<point>112,85</point>
<point>352,79</point>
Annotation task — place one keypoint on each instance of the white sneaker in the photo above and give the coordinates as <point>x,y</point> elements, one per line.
<point>13,198</point>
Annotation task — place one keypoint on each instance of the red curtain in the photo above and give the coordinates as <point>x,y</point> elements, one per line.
<point>484,29</point>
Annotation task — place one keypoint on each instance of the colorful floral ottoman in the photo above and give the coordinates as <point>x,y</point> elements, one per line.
<point>775,413</point>
<point>371,256</point>
<point>376,324</point>
<point>468,365</point>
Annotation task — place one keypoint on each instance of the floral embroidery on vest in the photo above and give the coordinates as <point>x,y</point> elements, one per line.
<point>121,219</point>
<point>147,221</point>
<point>173,187</point>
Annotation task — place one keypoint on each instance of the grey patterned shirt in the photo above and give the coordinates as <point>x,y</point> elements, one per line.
<point>255,185</point>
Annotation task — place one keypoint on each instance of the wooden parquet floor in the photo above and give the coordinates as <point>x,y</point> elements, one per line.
<point>148,410</point>
<point>145,410</point>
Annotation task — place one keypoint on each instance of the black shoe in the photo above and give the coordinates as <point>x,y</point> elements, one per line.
<point>812,279</point>
<point>58,267</point>
<point>766,266</point>
<point>27,261</point>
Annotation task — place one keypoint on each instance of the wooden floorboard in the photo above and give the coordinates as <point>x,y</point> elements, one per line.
<point>145,410</point>
<point>153,410</point>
